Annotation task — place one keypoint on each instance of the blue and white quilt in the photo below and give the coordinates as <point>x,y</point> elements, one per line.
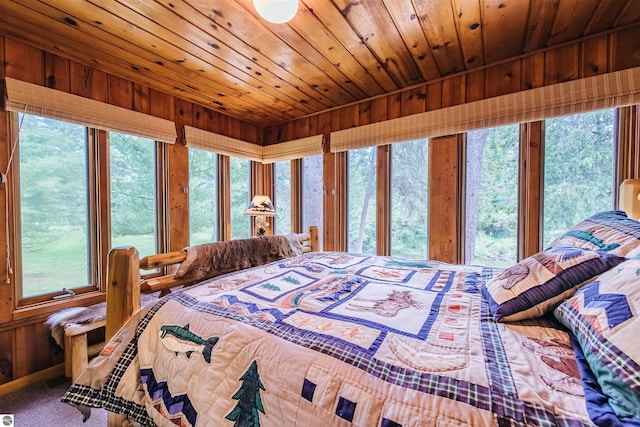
<point>336,339</point>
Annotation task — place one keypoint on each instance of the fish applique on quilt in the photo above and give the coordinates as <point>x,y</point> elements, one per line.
<point>180,339</point>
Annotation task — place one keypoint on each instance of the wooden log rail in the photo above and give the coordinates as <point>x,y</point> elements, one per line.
<point>125,282</point>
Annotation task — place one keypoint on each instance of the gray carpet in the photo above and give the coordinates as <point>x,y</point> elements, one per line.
<point>38,405</point>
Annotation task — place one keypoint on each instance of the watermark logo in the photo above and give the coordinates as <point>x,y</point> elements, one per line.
<point>7,420</point>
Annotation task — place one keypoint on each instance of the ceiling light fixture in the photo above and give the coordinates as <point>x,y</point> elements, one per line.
<point>276,11</point>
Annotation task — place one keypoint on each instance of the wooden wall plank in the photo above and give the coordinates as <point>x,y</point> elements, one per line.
<point>453,91</point>
<point>364,113</point>
<point>503,79</point>
<point>2,59</point>
<point>533,71</point>
<point>141,98</point>
<point>434,96</point>
<point>562,64</point>
<point>349,116</point>
<point>6,286</point>
<point>379,109</point>
<point>595,56</point>
<point>32,352</point>
<point>413,101</point>
<point>475,86</point>
<point>88,82</point>
<point>444,199</point>
<point>301,128</point>
<point>23,62</point>
<point>394,105</point>
<point>119,92</point>
<point>162,105</point>
<point>625,49</point>
<point>6,356</point>
<point>57,72</point>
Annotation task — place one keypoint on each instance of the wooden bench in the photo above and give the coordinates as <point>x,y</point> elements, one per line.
<point>77,350</point>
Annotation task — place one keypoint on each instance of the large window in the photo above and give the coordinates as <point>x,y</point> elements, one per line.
<point>53,205</point>
<point>133,192</point>
<point>203,196</point>
<point>492,196</point>
<point>240,198</point>
<point>282,199</point>
<point>409,199</point>
<point>578,169</point>
<point>312,193</point>
<point>361,193</point>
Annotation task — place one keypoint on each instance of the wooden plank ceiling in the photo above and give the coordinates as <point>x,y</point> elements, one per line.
<point>222,55</point>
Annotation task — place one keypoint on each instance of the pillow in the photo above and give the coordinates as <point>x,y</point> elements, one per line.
<point>537,284</point>
<point>604,316</point>
<point>610,231</point>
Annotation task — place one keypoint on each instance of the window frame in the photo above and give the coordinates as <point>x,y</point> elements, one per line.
<point>98,222</point>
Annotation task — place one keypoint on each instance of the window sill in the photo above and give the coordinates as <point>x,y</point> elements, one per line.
<point>48,307</point>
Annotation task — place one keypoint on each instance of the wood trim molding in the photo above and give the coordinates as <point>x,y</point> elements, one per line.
<point>383,200</point>
<point>44,375</point>
<point>531,189</point>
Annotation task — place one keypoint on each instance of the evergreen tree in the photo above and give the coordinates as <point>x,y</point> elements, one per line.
<point>245,414</point>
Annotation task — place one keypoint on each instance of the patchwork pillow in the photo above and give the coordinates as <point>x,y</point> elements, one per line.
<point>609,231</point>
<point>604,316</point>
<point>537,284</point>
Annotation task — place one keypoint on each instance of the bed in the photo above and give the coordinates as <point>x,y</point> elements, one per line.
<point>338,339</point>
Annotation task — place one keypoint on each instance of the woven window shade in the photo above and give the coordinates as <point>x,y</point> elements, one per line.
<point>205,140</point>
<point>610,90</point>
<point>23,97</point>
<point>295,149</point>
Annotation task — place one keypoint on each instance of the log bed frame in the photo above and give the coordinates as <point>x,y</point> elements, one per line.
<point>125,282</point>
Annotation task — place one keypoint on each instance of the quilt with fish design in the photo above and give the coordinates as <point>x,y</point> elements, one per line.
<point>336,339</point>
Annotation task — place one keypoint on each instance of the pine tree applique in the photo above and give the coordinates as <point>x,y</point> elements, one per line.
<point>245,414</point>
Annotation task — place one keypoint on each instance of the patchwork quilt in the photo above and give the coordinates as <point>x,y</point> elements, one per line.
<point>336,339</point>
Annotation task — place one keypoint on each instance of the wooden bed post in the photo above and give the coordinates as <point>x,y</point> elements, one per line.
<point>123,288</point>
<point>314,243</point>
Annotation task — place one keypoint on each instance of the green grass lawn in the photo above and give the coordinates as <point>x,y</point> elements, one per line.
<point>60,261</point>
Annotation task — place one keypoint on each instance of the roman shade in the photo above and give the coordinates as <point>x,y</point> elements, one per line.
<point>210,141</point>
<point>29,98</point>
<point>610,90</point>
<point>294,149</point>
<point>289,150</point>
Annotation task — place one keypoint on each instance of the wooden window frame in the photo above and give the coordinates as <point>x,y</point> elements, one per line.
<point>99,223</point>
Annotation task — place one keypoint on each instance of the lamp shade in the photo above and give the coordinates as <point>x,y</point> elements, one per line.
<point>261,205</point>
<point>276,11</point>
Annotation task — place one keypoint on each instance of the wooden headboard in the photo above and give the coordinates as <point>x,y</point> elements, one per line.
<point>629,198</point>
<point>125,281</point>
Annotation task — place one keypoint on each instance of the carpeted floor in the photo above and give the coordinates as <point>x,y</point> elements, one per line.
<point>38,405</point>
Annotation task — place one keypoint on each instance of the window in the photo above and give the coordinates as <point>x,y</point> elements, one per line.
<point>282,199</point>
<point>203,196</point>
<point>492,196</point>
<point>409,199</point>
<point>312,194</point>
<point>240,198</point>
<point>578,169</point>
<point>361,194</point>
<point>53,204</point>
<point>133,192</point>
